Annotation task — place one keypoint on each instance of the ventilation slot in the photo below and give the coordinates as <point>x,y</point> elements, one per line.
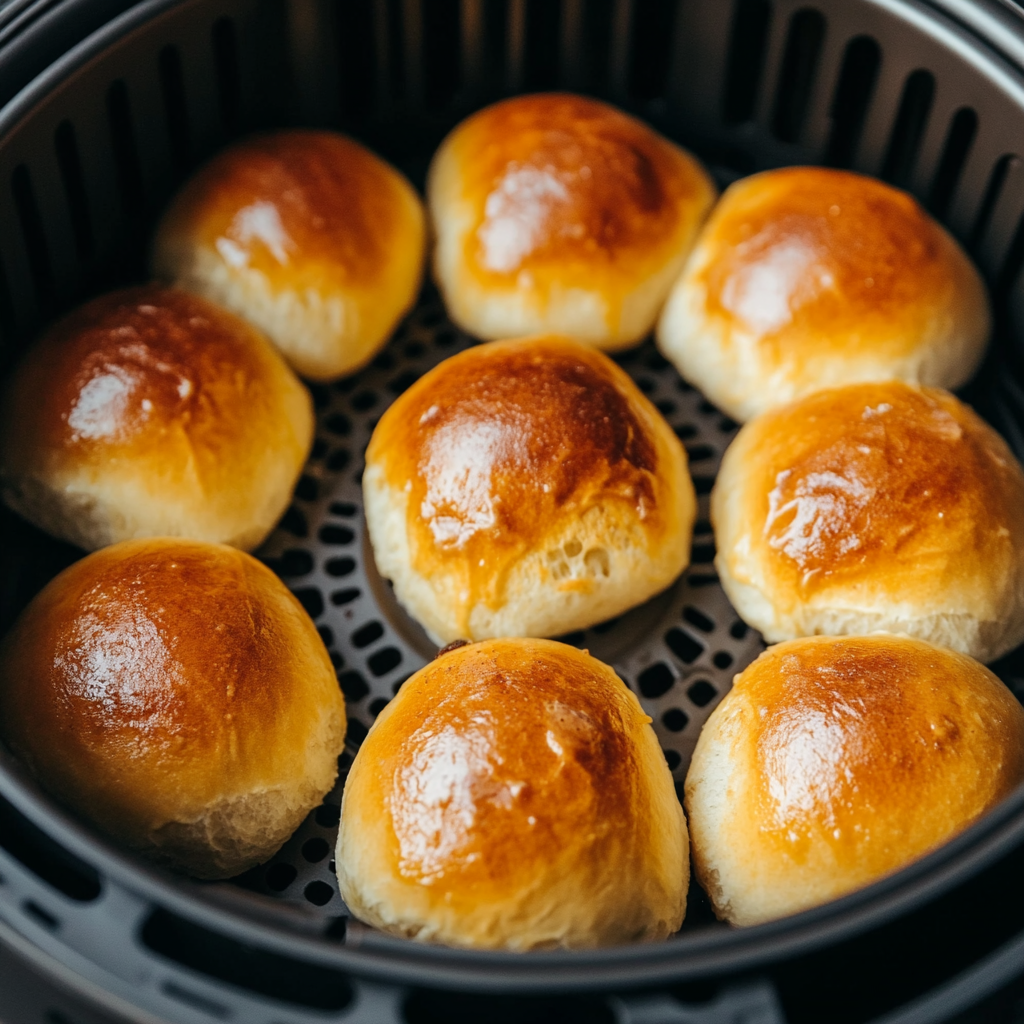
<point>384,661</point>
<point>543,31</point>
<point>988,203</point>
<point>251,968</point>
<point>225,59</point>
<point>1011,268</point>
<point>962,130</point>
<point>41,916</point>
<point>366,635</point>
<point>515,42</point>
<point>7,321</point>
<point>656,681</point>
<point>46,858</point>
<point>394,82</point>
<point>675,720</point>
<point>172,84</point>
<point>491,47</point>
<point>356,731</point>
<point>799,65</point>
<point>595,46</point>
<point>1007,416</point>
<point>907,132</point>
<point>358,53</point>
<point>428,1007</point>
<point>442,51</point>
<point>126,153</point>
<point>747,44</point>
<point>852,99</point>
<point>70,166</point>
<point>653,32</point>
<point>32,234</point>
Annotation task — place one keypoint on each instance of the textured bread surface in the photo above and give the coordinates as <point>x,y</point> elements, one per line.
<point>308,235</point>
<point>151,412</point>
<point>805,278</point>
<point>555,212</point>
<point>514,796</point>
<point>874,507</point>
<point>834,761</point>
<point>178,696</point>
<point>526,488</point>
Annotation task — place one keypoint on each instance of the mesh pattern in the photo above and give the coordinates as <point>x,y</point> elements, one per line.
<point>678,652</point>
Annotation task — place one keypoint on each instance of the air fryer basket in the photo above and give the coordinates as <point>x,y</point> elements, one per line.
<point>930,97</point>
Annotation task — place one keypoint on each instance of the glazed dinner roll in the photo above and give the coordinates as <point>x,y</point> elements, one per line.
<point>152,412</point>
<point>526,488</point>
<point>874,507</point>
<point>177,695</point>
<point>514,796</point>
<point>806,278</point>
<point>555,212</point>
<point>834,761</point>
<point>308,235</point>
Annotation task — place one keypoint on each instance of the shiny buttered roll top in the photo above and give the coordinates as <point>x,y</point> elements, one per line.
<point>805,278</point>
<point>555,212</point>
<point>177,695</point>
<point>152,412</point>
<point>834,761</point>
<point>874,507</point>
<point>514,796</point>
<point>526,488</point>
<point>307,234</point>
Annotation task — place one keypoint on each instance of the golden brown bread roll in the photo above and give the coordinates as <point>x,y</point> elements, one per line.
<point>874,507</point>
<point>514,796</point>
<point>555,212</point>
<point>177,695</point>
<point>526,488</point>
<point>834,761</point>
<point>806,278</point>
<point>152,412</point>
<point>308,235</point>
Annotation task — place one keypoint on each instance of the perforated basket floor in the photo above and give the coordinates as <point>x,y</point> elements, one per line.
<point>678,652</point>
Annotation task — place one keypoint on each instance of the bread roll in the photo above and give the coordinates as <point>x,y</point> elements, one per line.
<point>514,796</point>
<point>834,761</point>
<point>874,507</point>
<point>177,695</point>
<point>526,488</point>
<point>151,412</point>
<point>308,235</point>
<point>806,278</point>
<point>554,212</point>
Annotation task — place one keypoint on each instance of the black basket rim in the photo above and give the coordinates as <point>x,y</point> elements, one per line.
<point>262,921</point>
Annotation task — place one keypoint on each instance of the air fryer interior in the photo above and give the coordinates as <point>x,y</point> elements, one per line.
<point>90,152</point>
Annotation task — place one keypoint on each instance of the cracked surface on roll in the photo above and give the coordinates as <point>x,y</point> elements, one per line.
<point>526,488</point>
<point>874,507</point>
